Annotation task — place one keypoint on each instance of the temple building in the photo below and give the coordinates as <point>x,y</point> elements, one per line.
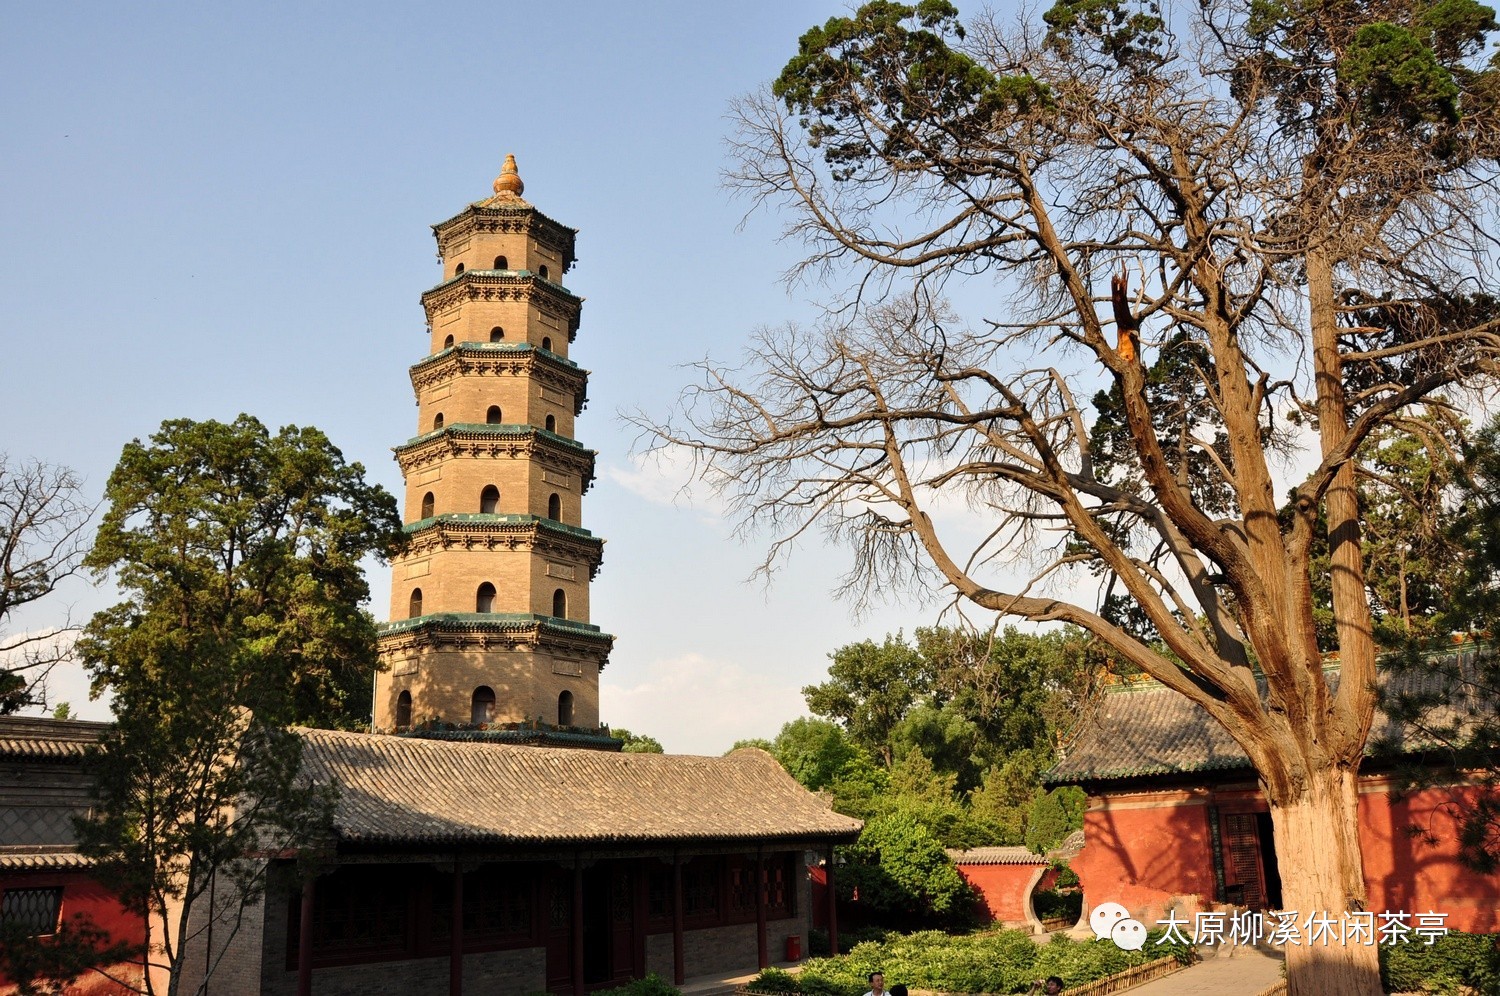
<point>490,602</point>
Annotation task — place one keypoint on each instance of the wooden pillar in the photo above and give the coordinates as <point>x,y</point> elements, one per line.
<point>578,927</point>
<point>762,951</point>
<point>679,974</point>
<point>831,894</point>
<point>304,940</point>
<point>456,921</point>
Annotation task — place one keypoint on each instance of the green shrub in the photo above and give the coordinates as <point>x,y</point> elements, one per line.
<point>1444,967</point>
<point>1004,961</point>
<point>651,985</point>
<point>774,980</point>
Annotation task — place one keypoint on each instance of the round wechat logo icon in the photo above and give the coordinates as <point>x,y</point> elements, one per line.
<point>1104,917</point>
<point>1129,935</point>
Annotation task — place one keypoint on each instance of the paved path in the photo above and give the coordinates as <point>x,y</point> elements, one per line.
<point>1245,974</point>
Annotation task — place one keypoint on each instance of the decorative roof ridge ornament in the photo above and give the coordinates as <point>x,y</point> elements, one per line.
<point>509,180</point>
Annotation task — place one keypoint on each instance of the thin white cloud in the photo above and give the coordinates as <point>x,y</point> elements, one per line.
<point>666,476</point>
<point>697,705</point>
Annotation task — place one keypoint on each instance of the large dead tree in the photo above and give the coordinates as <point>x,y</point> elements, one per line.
<point>1244,225</point>
<point>43,537</point>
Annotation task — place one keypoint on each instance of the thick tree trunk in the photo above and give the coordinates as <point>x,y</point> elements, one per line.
<point>1317,848</point>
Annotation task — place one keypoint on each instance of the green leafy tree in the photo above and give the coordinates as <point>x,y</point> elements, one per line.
<point>813,751</point>
<point>238,553</point>
<point>636,743</point>
<point>1053,816</point>
<point>870,689</point>
<point>1303,191</point>
<point>902,874</point>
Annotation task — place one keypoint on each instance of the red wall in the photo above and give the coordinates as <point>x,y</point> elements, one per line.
<point>1420,872</point>
<point>84,896</point>
<point>1141,850</point>
<point>1144,849</point>
<point>1003,887</point>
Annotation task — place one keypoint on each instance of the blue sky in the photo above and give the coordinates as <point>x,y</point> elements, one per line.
<point>210,209</point>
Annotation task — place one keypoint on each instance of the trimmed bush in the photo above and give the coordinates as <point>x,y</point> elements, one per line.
<point>1444,967</point>
<point>651,985</point>
<point>1005,961</point>
<point>774,980</point>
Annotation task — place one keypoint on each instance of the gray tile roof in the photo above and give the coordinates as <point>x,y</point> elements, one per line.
<point>1145,729</point>
<point>37,738</point>
<point>41,858</point>
<point>996,856</point>
<point>400,790</point>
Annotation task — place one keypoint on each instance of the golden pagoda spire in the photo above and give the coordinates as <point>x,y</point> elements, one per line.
<point>509,180</point>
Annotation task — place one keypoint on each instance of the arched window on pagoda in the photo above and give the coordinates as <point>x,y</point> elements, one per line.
<point>403,711</point>
<point>428,504</point>
<point>482,705</point>
<point>448,342</point>
<point>554,507</point>
<point>565,709</point>
<point>560,604</point>
<point>458,269</point>
<point>547,343</point>
<point>492,417</point>
<point>489,499</point>
<point>501,264</point>
<point>437,421</point>
<point>484,600</point>
<point>414,604</point>
<point>551,423</point>
<point>497,333</point>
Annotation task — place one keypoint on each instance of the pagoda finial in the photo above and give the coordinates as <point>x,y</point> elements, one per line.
<point>509,180</point>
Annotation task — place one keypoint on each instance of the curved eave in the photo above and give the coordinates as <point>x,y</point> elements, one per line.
<point>515,207</point>
<point>482,839</point>
<point>503,522</point>
<point>482,349</point>
<point>571,304</point>
<point>503,622</point>
<point>562,367</point>
<point>499,433</point>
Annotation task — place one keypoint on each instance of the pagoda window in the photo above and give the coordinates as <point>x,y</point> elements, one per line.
<point>497,333</point>
<point>484,601</point>
<point>565,709</point>
<point>489,499</point>
<point>482,705</point>
<point>448,342</point>
<point>560,604</point>
<point>403,711</point>
<point>437,420</point>
<point>547,343</point>
<point>458,269</point>
<point>428,503</point>
<point>551,423</point>
<point>501,264</point>
<point>554,507</point>
<point>542,271</point>
<point>493,415</point>
<point>414,604</point>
